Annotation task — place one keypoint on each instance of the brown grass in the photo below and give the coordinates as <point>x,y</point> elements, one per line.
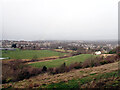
<point>45,79</point>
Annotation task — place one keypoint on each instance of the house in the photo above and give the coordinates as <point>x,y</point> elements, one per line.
<point>7,49</point>
<point>98,53</point>
<point>2,58</point>
<point>60,47</point>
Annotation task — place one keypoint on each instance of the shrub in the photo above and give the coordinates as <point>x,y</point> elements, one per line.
<point>102,62</point>
<point>75,65</point>
<point>91,62</point>
<point>112,52</point>
<point>63,68</point>
<point>98,61</point>
<point>16,70</point>
<point>44,69</point>
<point>75,53</point>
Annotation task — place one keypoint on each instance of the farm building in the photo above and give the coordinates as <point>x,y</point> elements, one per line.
<point>2,58</point>
<point>60,47</point>
<point>97,52</point>
<point>7,49</point>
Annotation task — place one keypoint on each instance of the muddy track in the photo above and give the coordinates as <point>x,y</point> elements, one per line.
<point>29,61</point>
<point>44,79</point>
<point>46,59</point>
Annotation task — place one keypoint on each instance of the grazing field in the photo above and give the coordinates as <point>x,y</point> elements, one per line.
<point>30,54</point>
<point>58,62</point>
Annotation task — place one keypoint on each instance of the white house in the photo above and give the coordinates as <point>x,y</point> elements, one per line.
<point>2,58</point>
<point>60,47</point>
<point>7,49</point>
<point>97,52</point>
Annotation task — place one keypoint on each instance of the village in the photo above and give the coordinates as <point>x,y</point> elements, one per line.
<point>102,47</point>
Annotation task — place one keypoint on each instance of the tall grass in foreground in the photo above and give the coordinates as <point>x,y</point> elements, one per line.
<point>106,80</point>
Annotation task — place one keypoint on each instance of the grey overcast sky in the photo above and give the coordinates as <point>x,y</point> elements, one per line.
<point>59,19</point>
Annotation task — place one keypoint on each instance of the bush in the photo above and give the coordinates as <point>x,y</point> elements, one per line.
<point>16,70</point>
<point>75,65</point>
<point>91,62</point>
<point>75,53</point>
<point>63,68</point>
<point>44,69</point>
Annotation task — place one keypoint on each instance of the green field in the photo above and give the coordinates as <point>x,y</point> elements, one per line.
<point>58,62</point>
<point>30,54</point>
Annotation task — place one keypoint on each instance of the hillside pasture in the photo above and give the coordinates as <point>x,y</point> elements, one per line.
<point>30,54</point>
<point>95,77</point>
<point>58,62</point>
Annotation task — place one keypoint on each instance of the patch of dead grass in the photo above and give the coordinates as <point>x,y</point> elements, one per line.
<point>74,74</point>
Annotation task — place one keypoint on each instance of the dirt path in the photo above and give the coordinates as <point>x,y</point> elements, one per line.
<point>49,59</point>
<point>55,57</point>
<point>29,61</point>
<point>44,79</point>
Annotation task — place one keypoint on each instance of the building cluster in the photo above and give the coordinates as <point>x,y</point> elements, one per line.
<point>53,44</point>
<point>25,44</point>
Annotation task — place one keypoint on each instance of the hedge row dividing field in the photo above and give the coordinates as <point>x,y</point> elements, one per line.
<point>58,62</point>
<point>30,54</point>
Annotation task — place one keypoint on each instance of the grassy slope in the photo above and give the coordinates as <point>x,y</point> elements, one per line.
<point>29,54</point>
<point>58,62</point>
<point>79,82</point>
<point>104,75</point>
